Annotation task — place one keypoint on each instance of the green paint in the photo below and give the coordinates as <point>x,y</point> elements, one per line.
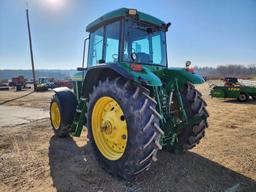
<point>117,14</point>
<point>172,125</point>
<point>180,102</point>
<point>145,76</point>
<point>79,118</point>
<point>181,74</point>
<point>232,92</point>
<point>77,81</point>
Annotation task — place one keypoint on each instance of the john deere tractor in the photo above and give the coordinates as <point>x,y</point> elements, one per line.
<point>132,104</point>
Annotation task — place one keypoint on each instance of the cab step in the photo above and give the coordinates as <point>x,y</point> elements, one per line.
<point>79,118</point>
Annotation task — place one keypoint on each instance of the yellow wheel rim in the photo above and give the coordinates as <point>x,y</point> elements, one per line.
<point>109,128</point>
<point>55,115</point>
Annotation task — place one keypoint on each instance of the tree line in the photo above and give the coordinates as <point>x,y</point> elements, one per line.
<point>221,71</point>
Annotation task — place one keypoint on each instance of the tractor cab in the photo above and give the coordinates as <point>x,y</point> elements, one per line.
<point>43,80</point>
<point>127,36</point>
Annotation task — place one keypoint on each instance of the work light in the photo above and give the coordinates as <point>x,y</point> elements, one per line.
<point>132,12</point>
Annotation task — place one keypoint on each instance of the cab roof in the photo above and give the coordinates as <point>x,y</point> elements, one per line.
<point>117,14</point>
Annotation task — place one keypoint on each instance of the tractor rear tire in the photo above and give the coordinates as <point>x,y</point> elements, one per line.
<point>243,97</point>
<point>62,110</point>
<point>140,127</point>
<point>195,107</point>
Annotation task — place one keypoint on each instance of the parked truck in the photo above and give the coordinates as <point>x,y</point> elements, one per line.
<point>18,82</point>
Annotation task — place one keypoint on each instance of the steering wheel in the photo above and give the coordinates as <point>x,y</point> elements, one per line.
<point>133,56</point>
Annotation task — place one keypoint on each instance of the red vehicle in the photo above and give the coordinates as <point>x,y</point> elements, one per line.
<point>63,83</point>
<point>19,82</point>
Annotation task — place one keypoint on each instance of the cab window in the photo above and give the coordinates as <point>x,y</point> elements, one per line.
<point>112,42</point>
<point>96,47</point>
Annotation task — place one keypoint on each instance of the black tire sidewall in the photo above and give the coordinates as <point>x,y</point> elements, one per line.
<point>187,132</point>
<point>67,108</point>
<point>126,166</point>
<point>130,129</point>
<point>246,97</point>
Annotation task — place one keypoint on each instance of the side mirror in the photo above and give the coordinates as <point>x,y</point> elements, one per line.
<point>188,63</point>
<point>166,26</point>
<point>133,56</point>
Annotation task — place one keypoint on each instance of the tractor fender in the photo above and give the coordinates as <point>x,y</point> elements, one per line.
<point>100,72</point>
<point>65,94</point>
<point>61,89</point>
<point>183,76</point>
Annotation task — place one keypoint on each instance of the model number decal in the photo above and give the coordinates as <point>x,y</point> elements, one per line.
<point>234,89</point>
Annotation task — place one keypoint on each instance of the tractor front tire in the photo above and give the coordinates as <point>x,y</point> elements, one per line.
<point>62,110</point>
<point>123,127</point>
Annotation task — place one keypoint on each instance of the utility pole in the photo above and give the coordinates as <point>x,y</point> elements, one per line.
<point>31,50</point>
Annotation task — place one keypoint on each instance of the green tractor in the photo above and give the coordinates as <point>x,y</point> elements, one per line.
<point>132,104</point>
<point>42,84</point>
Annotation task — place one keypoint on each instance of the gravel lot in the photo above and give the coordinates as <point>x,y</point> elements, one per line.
<point>32,159</point>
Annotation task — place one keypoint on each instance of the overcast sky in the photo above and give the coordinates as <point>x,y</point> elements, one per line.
<point>207,32</point>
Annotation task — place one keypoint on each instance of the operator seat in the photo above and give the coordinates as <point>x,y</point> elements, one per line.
<point>142,57</point>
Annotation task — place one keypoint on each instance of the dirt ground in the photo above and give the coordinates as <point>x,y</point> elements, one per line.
<point>33,159</point>
<point>26,98</point>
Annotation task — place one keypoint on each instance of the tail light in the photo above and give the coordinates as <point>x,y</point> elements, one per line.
<point>190,69</point>
<point>136,67</point>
